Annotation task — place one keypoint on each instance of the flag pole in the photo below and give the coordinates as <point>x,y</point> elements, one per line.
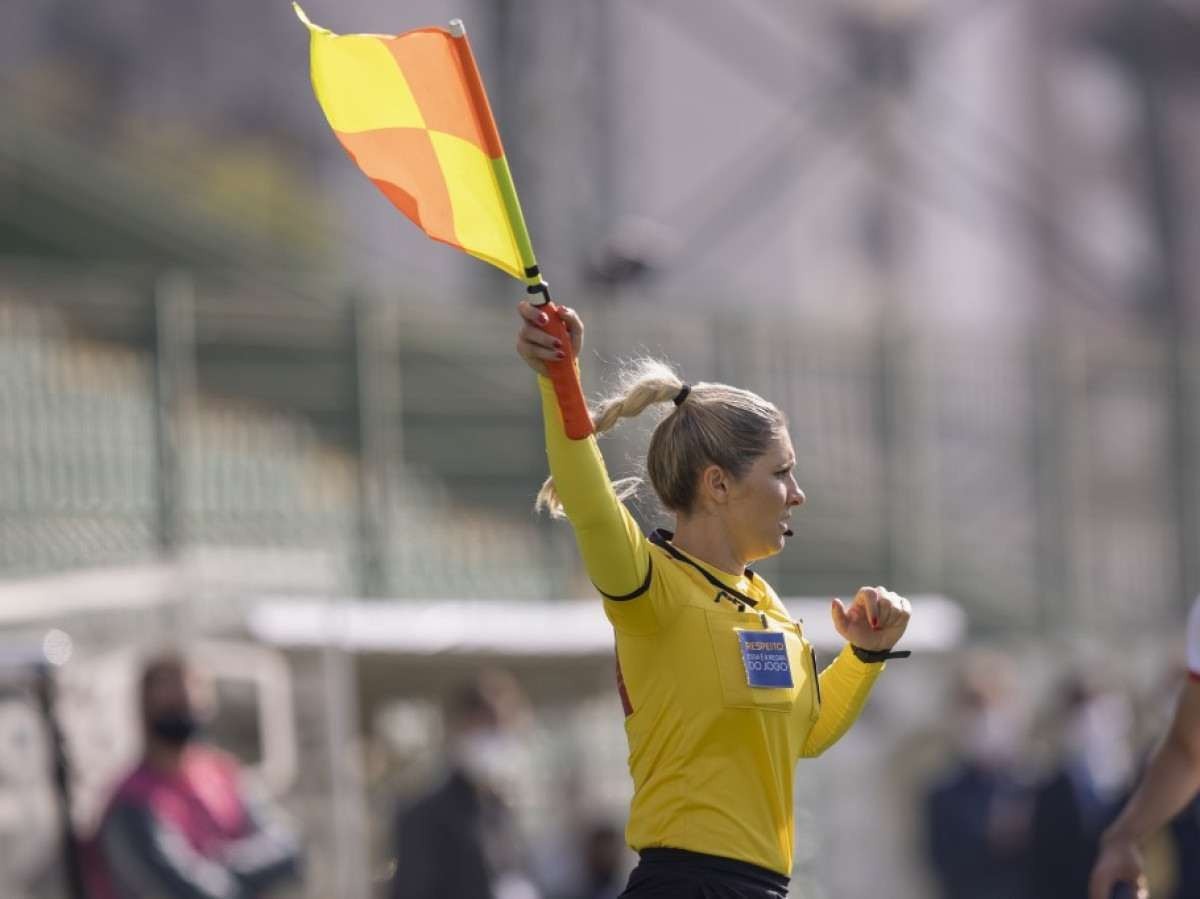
<point>503,174</point>
<point>563,374</point>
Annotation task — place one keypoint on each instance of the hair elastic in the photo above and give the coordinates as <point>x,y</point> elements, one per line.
<point>682,395</point>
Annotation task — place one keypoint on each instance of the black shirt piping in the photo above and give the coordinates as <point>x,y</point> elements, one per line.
<point>662,539</point>
<point>636,593</point>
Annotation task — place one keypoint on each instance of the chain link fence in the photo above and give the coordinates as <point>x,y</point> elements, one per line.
<point>175,447</point>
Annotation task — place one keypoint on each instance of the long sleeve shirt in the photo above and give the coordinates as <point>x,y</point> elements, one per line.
<point>719,684</point>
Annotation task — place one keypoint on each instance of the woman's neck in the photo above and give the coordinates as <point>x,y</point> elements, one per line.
<point>705,537</point>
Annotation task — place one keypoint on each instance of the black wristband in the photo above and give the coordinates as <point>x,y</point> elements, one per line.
<point>871,656</point>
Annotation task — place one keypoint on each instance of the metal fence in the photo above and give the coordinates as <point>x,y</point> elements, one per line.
<point>394,446</point>
<point>212,440</point>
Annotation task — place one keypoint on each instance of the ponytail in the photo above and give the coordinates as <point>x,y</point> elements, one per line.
<point>644,384</point>
<point>712,424</point>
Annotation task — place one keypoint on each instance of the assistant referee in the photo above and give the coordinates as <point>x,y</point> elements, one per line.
<point>719,684</point>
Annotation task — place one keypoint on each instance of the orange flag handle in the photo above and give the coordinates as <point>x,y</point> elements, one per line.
<point>577,421</point>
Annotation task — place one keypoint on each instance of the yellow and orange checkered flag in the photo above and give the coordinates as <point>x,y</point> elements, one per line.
<point>412,112</point>
<point>405,109</point>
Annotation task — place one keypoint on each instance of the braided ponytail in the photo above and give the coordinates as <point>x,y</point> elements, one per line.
<point>712,424</point>
<point>646,382</point>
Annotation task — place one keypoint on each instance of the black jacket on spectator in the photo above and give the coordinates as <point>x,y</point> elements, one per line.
<point>969,858</point>
<point>1068,820</point>
<point>454,842</point>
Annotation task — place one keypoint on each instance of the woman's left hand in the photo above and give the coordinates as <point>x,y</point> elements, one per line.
<point>875,620</point>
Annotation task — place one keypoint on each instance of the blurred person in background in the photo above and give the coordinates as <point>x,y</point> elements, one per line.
<point>602,851</point>
<point>1084,791</point>
<point>718,683</point>
<point>183,823</point>
<point>979,815</point>
<point>461,838</point>
<point>1168,785</point>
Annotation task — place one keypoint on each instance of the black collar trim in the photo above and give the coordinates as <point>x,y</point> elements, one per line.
<point>662,539</point>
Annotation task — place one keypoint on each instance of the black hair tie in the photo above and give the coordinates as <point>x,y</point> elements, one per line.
<point>682,395</point>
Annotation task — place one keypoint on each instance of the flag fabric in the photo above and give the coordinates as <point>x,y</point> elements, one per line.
<point>412,112</point>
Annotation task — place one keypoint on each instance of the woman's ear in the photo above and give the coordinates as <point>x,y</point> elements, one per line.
<point>714,484</point>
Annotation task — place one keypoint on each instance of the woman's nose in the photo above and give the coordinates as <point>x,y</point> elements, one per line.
<point>797,498</point>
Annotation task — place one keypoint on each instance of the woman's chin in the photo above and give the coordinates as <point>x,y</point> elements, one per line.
<point>769,551</point>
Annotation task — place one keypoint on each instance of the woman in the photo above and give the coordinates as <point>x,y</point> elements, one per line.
<point>718,683</point>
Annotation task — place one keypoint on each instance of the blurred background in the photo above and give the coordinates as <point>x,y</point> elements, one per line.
<point>248,410</point>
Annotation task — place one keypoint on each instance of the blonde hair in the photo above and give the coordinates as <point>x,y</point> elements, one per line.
<point>714,425</point>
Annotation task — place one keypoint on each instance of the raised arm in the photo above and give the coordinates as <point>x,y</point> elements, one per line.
<point>615,552</point>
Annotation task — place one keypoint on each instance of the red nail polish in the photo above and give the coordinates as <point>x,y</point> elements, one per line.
<point>557,344</point>
<point>560,355</point>
<point>542,320</point>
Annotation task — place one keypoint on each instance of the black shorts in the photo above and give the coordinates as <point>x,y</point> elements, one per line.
<point>680,874</point>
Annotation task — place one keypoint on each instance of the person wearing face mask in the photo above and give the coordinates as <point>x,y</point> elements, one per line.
<point>182,823</point>
<point>1082,794</point>
<point>720,687</point>
<point>461,838</point>
<point>977,815</point>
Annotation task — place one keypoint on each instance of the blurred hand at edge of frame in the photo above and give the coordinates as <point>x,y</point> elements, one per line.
<point>536,346</point>
<point>1119,862</point>
<point>876,619</point>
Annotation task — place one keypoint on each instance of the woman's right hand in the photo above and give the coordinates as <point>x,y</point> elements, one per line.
<point>1119,862</point>
<point>537,347</point>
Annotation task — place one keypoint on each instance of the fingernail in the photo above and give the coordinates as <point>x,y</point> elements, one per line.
<point>542,320</point>
<point>560,355</point>
<point>557,344</point>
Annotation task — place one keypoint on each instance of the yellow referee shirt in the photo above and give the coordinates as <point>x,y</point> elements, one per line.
<point>719,684</point>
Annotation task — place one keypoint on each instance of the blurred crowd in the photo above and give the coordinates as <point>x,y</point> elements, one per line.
<point>1015,813</point>
<point>188,821</point>
<point>1019,812</point>
<point>461,836</point>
